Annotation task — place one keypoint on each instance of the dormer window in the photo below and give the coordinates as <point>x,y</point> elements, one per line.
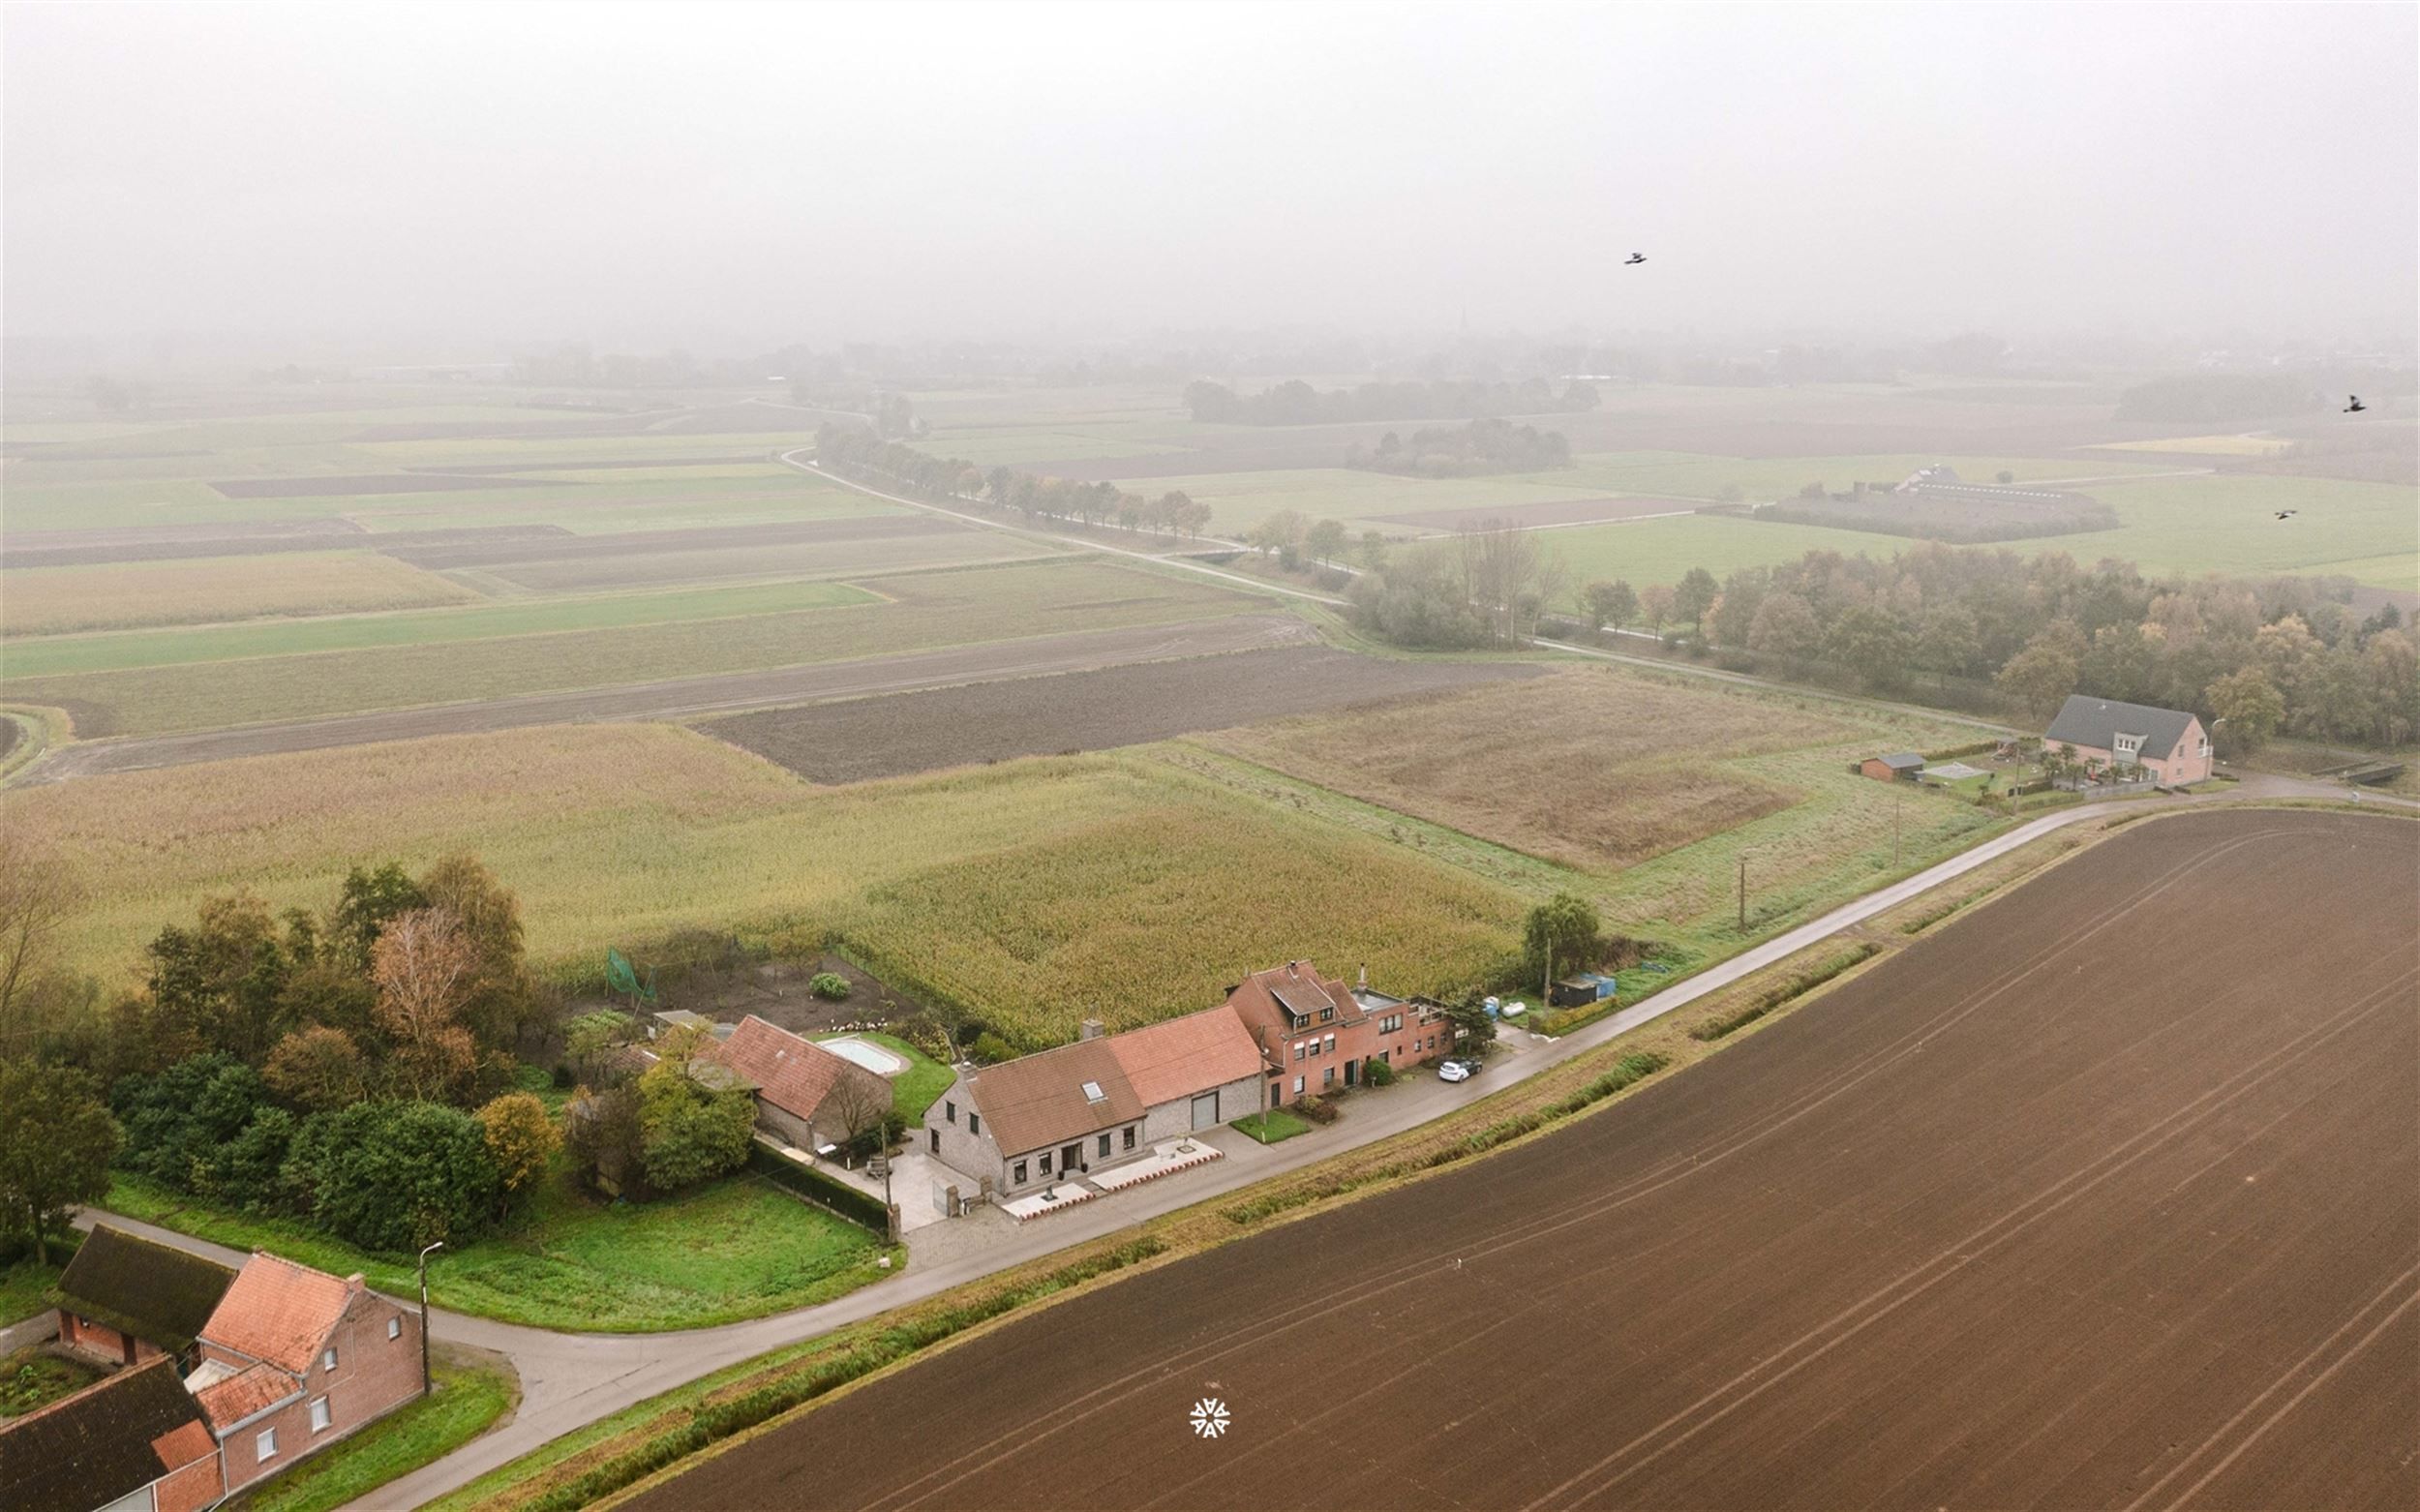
<point>2128,744</point>
<point>1327,1016</point>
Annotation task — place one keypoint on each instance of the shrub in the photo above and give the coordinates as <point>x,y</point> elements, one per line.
<point>1378,1072</point>
<point>689,1131</point>
<point>991,1049</point>
<point>830,985</point>
<point>394,1176</point>
<point>1318,1109</point>
<point>176,1121</point>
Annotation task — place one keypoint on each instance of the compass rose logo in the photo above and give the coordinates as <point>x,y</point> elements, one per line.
<point>1209,1417</point>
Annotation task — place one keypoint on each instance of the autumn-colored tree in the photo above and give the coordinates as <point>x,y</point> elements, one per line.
<point>38,893</point>
<point>497,1001</point>
<point>425,969</point>
<point>318,1066</point>
<point>1656,605</point>
<point>522,1140</point>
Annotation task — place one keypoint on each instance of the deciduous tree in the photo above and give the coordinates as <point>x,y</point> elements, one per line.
<point>57,1142</point>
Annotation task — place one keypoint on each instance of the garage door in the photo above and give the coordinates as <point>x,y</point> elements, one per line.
<point>1206,1111</point>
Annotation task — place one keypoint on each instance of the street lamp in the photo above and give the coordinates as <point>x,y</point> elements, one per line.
<point>424,1386</point>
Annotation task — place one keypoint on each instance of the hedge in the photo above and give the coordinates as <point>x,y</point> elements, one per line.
<point>859,1207</point>
<point>1797,987</point>
<point>1975,748</point>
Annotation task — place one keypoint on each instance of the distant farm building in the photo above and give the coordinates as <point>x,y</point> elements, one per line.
<point>1897,766</point>
<point>2168,743</point>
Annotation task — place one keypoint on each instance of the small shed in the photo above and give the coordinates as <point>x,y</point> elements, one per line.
<point>1580,990</point>
<point>1897,766</point>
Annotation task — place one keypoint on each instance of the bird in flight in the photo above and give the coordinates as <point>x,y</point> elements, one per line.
<point>2355,407</point>
<point>1637,258</point>
<point>2288,514</point>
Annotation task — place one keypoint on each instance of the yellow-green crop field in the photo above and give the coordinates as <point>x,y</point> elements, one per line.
<point>123,594</point>
<point>1038,892</point>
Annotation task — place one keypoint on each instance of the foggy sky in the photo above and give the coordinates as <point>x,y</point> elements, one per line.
<point>735,179</point>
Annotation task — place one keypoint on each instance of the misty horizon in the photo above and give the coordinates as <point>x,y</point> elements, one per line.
<point>454,184</point>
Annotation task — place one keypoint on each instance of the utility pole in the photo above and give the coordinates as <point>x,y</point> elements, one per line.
<point>425,1384</point>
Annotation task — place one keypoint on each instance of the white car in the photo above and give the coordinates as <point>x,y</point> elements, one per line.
<point>1457,1070</point>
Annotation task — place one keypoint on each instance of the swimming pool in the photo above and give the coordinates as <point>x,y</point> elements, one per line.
<point>866,1053</point>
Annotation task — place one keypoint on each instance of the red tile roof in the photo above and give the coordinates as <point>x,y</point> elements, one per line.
<point>1265,998</point>
<point>1186,1055</point>
<point>182,1445</point>
<point>792,1074</point>
<point>280,1311</point>
<point>248,1391</point>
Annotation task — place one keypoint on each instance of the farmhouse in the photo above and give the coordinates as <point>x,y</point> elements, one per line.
<point>133,1442</point>
<point>2169,744</point>
<point>1055,1116</point>
<point>294,1359</point>
<point>123,1300</point>
<point>1897,766</point>
<point>806,1095</point>
<point>1317,1034</point>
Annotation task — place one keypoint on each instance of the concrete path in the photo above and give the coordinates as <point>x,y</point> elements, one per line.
<point>569,1380</point>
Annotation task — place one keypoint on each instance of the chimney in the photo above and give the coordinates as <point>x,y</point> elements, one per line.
<point>1090,1029</point>
<point>355,1282</point>
<point>1365,976</point>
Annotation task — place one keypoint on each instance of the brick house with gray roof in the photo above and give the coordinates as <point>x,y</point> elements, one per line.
<point>125,1299</point>
<point>135,1441</point>
<point>2169,744</point>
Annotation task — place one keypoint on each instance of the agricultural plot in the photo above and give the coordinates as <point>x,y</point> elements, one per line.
<point>1756,479</point>
<point>2228,523</point>
<point>907,732</point>
<point>53,600</point>
<point>1641,790</point>
<point>1037,892</point>
<point>1661,551</point>
<point>919,611</point>
<point>2141,1249</point>
<point>918,548</point>
<point>1239,501</point>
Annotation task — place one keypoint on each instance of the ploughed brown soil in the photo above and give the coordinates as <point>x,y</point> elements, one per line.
<point>353,485</point>
<point>904,732</point>
<point>681,698</point>
<point>1556,511</point>
<point>563,546</point>
<point>2106,1196</point>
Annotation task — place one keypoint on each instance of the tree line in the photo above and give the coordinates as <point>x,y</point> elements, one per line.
<point>2269,656</point>
<point>1296,403</point>
<point>1487,586</point>
<point>1464,450</point>
<point>854,452</point>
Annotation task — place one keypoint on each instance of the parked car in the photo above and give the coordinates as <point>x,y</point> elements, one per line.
<point>1457,1070</point>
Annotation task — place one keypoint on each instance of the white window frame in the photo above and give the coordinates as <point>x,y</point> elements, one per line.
<point>264,1446</point>
<point>322,1416</point>
<point>327,1359</point>
<point>395,1326</point>
<point>1298,1086</point>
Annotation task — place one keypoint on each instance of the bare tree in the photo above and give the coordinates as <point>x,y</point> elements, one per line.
<point>860,1103</point>
<point>1507,576</point>
<point>425,968</point>
<point>38,895</point>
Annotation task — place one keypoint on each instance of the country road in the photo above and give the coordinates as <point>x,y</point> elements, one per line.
<point>683,698</point>
<point>569,1380</point>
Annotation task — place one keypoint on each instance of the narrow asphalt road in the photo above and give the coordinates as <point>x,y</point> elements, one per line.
<point>569,1380</point>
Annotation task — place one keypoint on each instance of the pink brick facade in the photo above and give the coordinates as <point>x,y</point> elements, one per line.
<point>102,1342</point>
<point>2188,763</point>
<point>195,1486</point>
<point>375,1372</point>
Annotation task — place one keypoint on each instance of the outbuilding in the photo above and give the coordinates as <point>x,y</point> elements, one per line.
<point>1897,766</point>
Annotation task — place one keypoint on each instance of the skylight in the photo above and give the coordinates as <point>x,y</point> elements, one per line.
<point>1093,1092</point>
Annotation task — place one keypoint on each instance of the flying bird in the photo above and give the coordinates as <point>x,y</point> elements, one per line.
<point>2355,407</point>
<point>2288,514</point>
<point>1637,258</point>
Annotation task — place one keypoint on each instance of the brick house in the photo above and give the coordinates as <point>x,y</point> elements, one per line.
<point>1317,1035</point>
<point>134,1441</point>
<point>2169,744</point>
<point>294,1359</point>
<point>806,1095</point>
<point>1023,1125</point>
<point>124,1299</point>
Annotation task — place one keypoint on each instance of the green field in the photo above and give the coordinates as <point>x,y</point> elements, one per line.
<point>1239,501</point>
<point>1687,475</point>
<point>1661,551</point>
<point>55,656</point>
<point>921,611</point>
<point>732,1249</point>
<point>2228,525</point>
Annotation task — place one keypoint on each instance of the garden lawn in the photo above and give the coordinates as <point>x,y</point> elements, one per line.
<point>468,1401</point>
<point>734,1249</point>
<point>1273,1125</point>
<point>914,1089</point>
<point>22,1284</point>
